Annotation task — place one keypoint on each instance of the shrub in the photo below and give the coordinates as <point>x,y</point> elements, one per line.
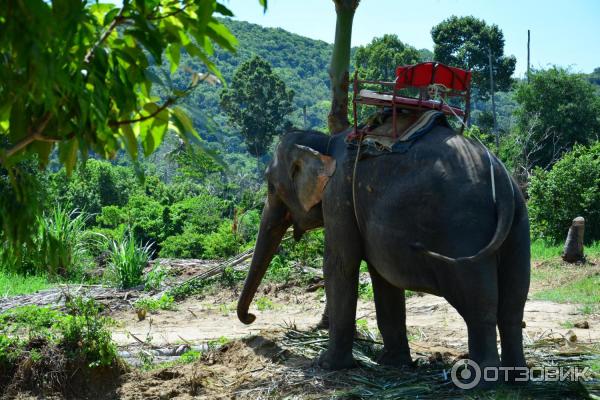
<point>127,261</point>
<point>202,213</point>
<point>61,242</point>
<point>222,243</point>
<point>185,245</point>
<point>570,189</point>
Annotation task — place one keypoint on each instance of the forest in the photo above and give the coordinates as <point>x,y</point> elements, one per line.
<point>153,212</point>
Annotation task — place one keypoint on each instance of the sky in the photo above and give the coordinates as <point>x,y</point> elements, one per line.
<point>564,33</point>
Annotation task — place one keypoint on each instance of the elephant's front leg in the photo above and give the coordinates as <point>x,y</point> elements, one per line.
<point>341,267</point>
<point>391,320</point>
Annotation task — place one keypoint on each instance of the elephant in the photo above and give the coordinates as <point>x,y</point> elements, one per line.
<point>444,217</point>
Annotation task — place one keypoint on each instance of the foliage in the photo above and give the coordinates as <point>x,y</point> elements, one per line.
<point>96,60</point>
<point>257,102</point>
<point>58,248</point>
<point>568,190</point>
<point>94,185</point>
<point>557,109</point>
<point>465,42</point>
<point>155,277</point>
<point>84,330</point>
<point>80,332</point>
<point>61,242</point>
<point>165,302</point>
<point>127,261</point>
<point>378,60</point>
<point>263,304</point>
<point>185,245</point>
<point>221,243</point>
<point>279,270</point>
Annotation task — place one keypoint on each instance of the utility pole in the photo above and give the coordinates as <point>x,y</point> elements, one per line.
<point>528,52</point>
<point>496,134</point>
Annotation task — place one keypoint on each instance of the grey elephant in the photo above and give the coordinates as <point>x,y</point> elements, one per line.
<point>428,219</point>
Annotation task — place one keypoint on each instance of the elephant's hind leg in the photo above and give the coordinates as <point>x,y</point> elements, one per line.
<point>513,282</point>
<point>391,320</point>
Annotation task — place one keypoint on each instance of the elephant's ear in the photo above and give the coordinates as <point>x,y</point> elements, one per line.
<point>310,172</point>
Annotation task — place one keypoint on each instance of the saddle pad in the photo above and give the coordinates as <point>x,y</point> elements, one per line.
<point>409,127</point>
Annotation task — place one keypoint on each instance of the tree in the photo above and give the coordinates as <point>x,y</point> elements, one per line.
<point>557,109</point>
<point>466,42</point>
<point>76,75</point>
<point>340,64</point>
<point>378,60</point>
<point>257,102</point>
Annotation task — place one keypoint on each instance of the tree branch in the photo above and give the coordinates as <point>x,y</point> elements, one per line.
<point>32,137</point>
<point>115,22</point>
<point>158,17</point>
<point>114,124</point>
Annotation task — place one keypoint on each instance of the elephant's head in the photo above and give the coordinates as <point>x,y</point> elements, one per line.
<point>296,179</point>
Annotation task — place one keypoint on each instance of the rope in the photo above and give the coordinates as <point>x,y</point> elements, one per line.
<point>354,184</point>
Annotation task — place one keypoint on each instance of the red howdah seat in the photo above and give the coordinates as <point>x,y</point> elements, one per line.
<point>436,83</point>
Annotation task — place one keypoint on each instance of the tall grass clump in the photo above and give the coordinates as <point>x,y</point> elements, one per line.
<point>58,248</point>
<point>127,261</point>
<point>61,242</point>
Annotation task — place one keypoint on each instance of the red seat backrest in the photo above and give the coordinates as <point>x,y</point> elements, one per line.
<point>425,74</point>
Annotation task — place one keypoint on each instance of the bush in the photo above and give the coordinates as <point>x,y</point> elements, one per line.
<point>222,243</point>
<point>186,245</point>
<point>127,262</point>
<point>570,189</point>
<point>202,213</point>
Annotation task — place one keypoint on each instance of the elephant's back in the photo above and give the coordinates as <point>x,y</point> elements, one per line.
<point>437,193</point>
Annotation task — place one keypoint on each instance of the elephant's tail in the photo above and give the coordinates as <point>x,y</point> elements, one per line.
<point>505,210</point>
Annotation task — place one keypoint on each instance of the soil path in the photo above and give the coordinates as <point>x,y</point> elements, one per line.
<point>429,318</point>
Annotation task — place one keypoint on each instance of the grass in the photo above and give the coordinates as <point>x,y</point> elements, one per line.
<point>12,284</point>
<point>541,250</point>
<point>585,291</point>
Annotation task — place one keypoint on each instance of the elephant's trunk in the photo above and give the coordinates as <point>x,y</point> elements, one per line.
<point>274,222</point>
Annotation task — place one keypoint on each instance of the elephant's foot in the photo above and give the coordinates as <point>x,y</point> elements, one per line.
<point>395,358</point>
<point>324,322</point>
<point>335,361</point>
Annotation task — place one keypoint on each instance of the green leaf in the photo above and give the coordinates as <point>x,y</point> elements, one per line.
<point>130,140</point>
<point>108,18</point>
<point>173,55</point>
<point>263,3</point>
<point>67,154</point>
<point>221,35</point>
<point>183,123</point>
<point>153,133</point>
<point>101,10</point>
<point>221,9</point>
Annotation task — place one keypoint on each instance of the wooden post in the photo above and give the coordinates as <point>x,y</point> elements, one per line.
<point>496,134</point>
<point>304,114</point>
<point>528,52</point>
<point>573,250</point>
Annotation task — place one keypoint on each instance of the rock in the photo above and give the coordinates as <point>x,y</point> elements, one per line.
<point>571,336</point>
<point>582,325</point>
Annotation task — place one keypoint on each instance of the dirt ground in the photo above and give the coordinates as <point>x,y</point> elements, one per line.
<point>255,364</point>
<point>274,357</point>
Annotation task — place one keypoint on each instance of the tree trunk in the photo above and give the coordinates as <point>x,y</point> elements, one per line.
<point>340,65</point>
<point>573,250</point>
